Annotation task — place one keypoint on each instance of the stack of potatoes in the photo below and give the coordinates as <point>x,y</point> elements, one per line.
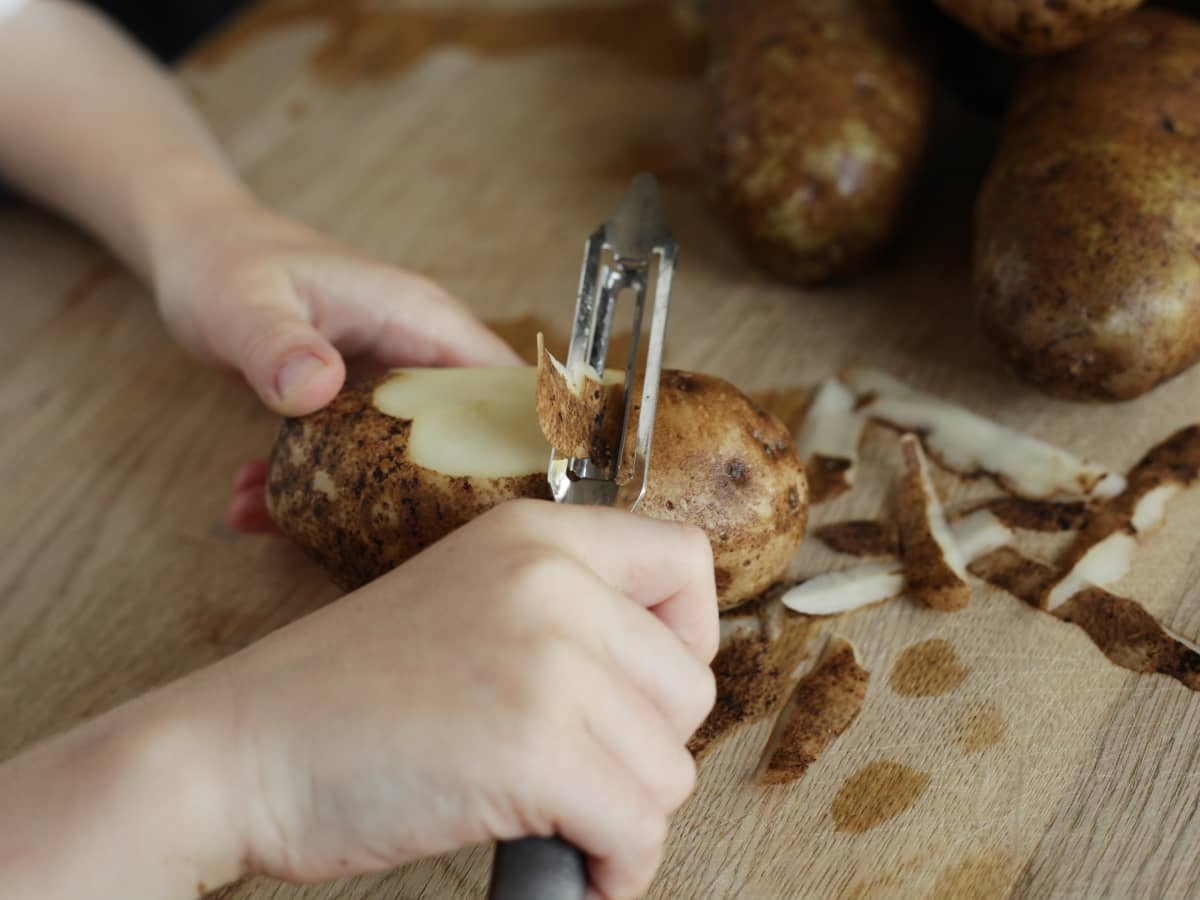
<point>1086,260</point>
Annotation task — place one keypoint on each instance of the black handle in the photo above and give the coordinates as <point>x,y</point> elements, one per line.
<point>538,868</point>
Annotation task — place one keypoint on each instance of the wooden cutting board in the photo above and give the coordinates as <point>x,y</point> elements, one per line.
<point>481,146</point>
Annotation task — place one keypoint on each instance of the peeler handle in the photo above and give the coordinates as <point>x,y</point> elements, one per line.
<point>538,868</point>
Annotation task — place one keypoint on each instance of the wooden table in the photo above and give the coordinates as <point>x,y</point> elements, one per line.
<point>481,147</point>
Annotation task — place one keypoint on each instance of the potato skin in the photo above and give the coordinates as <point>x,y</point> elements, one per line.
<point>1086,261</point>
<point>720,462</point>
<point>340,485</point>
<point>1035,27</point>
<point>377,508</point>
<point>820,112</point>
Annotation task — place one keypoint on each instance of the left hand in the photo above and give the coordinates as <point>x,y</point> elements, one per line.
<point>269,299</point>
<point>283,308</point>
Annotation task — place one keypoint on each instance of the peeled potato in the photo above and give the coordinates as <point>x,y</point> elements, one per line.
<point>397,463</point>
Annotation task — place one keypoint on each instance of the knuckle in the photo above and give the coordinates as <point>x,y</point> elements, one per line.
<point>701,695</point>
<point>647,830</point>
<point>697,546</point>
<point>522,516</point>
<point>535,720</point>
<point>532,737</point>
<point>544,691</point>
<point>537,573</point>
<point>553,659</point>
<point>707,643</point>
<point>680,779</point>
<point>269,333</point>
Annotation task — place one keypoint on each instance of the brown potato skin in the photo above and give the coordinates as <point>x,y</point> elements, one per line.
<point>721,462</point>
<point>1086,265</point>
<point>1036,27</point>
<point>718,461</point>
<point>820,112</point>
<point>387,509</point>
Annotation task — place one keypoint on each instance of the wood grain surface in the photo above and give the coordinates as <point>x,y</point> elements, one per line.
<point>481,145</point>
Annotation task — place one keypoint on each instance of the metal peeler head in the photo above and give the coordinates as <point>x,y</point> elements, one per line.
<point>630,255</point>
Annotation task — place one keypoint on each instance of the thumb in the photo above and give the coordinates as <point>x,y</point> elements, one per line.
<point>292,367</point>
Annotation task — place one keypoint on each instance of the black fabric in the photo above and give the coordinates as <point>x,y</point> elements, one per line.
<point>171,27</point>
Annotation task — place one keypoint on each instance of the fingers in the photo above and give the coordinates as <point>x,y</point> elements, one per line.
<point>264,330</point>
<point>597,804</point>
<point>250,475</point>
<point>629,639</point>
<point>637,734</point>
<point>640,693</point>
<point>286,324</point>
<point>247,511</point>
<point>398,318</point>
<point>664,566</point>
<point>680,687</point>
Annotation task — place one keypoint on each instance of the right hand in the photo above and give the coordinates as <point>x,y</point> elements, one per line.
<point>537,672</point>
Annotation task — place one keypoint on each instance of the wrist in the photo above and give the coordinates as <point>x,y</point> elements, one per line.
<point>182,209</point>
<point>170,757</point>
<point>183,745</point>
<point>133,803</point>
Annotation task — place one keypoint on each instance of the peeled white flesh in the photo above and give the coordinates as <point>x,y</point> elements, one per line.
<point>1104,564</point>
<point>972,536</point>
<point>847,589</point>
<point>935,517</point>
<point>978,534</point>
<point>1151,510</point>
<point>832,427</point>
<point>968,443</point>
<point>578,376</point>
<point>743,626</point>
<point>479,422</point>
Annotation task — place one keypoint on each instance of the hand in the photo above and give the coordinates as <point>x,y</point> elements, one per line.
<point>282,308</point>
<point>537,672</point>
<point>239,286</point>
<point>519,677</point>
<point>281,305</point>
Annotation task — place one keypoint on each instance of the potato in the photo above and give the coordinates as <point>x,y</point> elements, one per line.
<point>1032,27</point>
<point>395,464</point>
<point>1086,260</point>
<point>820,112</point>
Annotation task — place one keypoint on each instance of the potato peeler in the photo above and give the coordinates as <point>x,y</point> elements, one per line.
<point>627,254</point>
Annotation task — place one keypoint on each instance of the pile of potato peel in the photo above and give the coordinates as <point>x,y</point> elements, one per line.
<point>922,552</point>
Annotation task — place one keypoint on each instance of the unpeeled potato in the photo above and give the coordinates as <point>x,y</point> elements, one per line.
<point>1087,227</point>
<point>820,113</point>
<point>395,464</point>
<point>1034,27</point>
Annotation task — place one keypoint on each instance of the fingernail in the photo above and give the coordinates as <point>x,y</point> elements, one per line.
<point>296,372</point>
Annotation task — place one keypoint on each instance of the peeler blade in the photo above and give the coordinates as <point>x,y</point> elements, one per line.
<point>632,252</point>
<point>638,228</point>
